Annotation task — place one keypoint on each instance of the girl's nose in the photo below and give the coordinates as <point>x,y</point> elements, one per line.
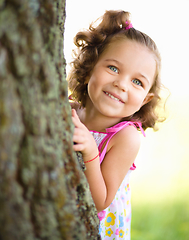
<point>122,84</point>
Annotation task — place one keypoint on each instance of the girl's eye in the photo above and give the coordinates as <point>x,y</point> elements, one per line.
<point>113,68</point>
<point>137,82</point>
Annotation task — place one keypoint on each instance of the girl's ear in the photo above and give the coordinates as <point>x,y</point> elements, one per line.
<point>148,98</point>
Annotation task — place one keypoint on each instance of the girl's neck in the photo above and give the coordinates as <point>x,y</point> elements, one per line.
<point>94,120</point>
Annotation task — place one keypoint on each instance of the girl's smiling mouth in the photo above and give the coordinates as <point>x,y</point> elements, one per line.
<point>114,97</point>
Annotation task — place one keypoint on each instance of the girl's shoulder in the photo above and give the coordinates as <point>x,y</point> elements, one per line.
<point>127,137</point>
<point>128,133</point>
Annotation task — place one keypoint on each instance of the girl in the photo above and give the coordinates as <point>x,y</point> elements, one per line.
<point>115,87</point>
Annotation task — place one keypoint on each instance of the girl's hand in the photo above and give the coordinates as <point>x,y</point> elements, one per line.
<point>83,139</point>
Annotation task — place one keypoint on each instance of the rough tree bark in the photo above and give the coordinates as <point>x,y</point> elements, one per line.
<point>43,191</point>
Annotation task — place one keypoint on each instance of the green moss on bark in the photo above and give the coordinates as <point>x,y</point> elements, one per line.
<point>43,191</point>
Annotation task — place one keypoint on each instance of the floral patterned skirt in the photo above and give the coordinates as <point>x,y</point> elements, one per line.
<point>115,221</point>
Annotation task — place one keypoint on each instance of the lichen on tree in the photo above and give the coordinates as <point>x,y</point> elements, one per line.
<point>43,190</point>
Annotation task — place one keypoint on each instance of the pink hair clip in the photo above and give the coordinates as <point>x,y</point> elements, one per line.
<point>129,25</point>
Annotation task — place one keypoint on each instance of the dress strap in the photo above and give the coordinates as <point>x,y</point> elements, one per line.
<point>122,125</point>
<point>112,131</point>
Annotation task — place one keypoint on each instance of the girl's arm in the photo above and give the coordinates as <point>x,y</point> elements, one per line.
<point>105,179</point>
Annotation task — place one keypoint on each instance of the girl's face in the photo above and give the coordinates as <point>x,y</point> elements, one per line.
<point>120,82</point>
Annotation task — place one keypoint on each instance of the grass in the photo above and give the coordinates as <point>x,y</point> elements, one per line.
<point>167,220</point>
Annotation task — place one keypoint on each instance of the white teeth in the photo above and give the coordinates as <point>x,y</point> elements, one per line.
<point>112,97</point>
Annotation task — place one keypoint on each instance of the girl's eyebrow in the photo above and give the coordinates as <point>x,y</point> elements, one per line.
<point>114,60</point>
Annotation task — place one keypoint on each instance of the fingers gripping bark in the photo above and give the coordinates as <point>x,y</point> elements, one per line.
<point>83,139</point>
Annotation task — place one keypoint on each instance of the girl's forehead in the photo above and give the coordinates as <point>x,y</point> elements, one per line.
<point>126,48</point>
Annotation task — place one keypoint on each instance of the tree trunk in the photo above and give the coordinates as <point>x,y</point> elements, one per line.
<point>43,191</point>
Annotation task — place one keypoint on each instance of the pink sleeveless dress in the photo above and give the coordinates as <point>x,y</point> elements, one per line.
<point>115,220</point>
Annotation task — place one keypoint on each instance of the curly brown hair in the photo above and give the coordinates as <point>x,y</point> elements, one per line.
<point>92,43</point>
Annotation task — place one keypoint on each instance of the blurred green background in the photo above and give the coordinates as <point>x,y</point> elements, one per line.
<point>160,183</point>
